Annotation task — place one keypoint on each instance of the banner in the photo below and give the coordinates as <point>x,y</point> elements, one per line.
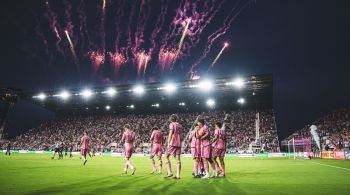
<point>340,155</point>
<point>327,154</point>
<point>277,154</point>
<point>347,154</point>
<point>245,155</point>
<point>231,155</point>
<point>262,155</point>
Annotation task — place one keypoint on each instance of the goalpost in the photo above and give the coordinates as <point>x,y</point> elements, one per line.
<point>298,148</point>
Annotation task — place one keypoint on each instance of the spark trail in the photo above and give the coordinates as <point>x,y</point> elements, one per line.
<point>54,26</point>
<point>72,49</point>
<point>234,12</point>
<point>218,56</point>
<point>183,36</point>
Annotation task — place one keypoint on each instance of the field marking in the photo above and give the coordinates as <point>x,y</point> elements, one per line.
<point>331,166</point>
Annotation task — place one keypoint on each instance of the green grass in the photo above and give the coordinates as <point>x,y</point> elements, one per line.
<point>38,174</point>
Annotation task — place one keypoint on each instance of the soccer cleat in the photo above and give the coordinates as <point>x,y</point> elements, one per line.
<point>85,162</point>
<point>133,171</point>
<point>167,176</point>
<point>124,172</point>
<point>159,173</point>
<point>176,177</point>
<point>214,175</point>
<point>206,176</point>
<point>195,176</point>
<point>152,173</point>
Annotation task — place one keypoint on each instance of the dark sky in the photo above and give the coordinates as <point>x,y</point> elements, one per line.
<point>303,43</point>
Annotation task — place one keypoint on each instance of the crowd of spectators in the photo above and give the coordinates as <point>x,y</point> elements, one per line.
<point>106,130</point>
<point>333,130</point>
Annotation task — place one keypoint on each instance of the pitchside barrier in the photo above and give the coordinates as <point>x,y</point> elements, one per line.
<point>339,155</point>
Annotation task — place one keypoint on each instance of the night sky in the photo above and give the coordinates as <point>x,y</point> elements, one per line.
<point>304,44</point>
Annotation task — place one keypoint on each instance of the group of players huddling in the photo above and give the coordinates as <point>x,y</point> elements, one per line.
<point>204,150</point>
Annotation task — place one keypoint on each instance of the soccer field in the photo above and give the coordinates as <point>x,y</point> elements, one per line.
<point>38,174</point>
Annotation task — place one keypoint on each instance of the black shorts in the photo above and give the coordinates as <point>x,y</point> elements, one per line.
<point>57,150</point>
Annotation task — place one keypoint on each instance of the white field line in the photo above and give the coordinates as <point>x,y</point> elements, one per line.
<point>331,166</point>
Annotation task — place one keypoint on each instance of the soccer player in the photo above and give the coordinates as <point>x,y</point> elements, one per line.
<point>8,149</point>
<point>195,150</point>
<point>84,146</point>
<point>204,135</point>
<point>56,150</point>
<point>66,149</point>
<point>60,151</point>
<point>71,151</point>
<point>157,139</point>
<point>219,148</point>
<point>174,146</point>
<point>128,137</point>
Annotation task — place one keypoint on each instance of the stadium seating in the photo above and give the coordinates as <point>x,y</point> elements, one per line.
<point>333,130</point>
<point>106,130</point>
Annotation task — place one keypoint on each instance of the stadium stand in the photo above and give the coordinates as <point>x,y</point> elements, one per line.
<point>106,130</point>
<point>333,130</point>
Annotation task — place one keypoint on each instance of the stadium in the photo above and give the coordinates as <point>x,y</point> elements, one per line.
<point>165,97</point>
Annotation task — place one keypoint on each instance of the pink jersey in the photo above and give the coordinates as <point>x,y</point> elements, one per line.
<point>220,142</point>
<point>177,134</point>
<point>129,137</point>
<point>203,131</point>
<point>157,136</point>
<point>193,140</point>
<point>85,141</point>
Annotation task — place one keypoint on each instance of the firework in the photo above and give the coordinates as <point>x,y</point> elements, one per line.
<point>146,62</point>
<point>71,44</point>
<point>97,59</point>
<point>183,35</point>
<point>218,56</point>
<point>194,76</point>
<point>117,59</point>
<point>142,59</point>
<point>104,6</point>
<point>166,58</point>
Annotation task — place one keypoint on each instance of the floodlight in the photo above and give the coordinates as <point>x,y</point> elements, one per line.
<point>108,107</point>
<point>40,96</point>
<point>210,102</point>
<point>155,105</point>
<point>182,104</point>
<point>139,89</point>
<point>238,83</point>
<point>241,101</point>
<point>131,106</point>
<point>64,95</point>
<point>86,93</point>
<point>206,85</point>
<point>110,92</point>
<point>169,87</point>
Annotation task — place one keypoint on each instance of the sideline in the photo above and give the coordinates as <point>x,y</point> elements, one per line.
<point>331,166</point>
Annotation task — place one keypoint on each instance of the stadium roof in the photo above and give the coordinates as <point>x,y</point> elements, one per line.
<point>253,92</point>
